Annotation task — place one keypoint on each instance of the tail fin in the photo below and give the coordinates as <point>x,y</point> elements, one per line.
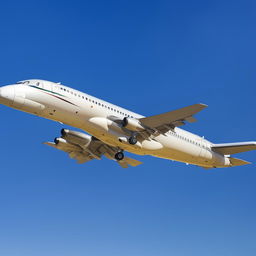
<point>234,148</point>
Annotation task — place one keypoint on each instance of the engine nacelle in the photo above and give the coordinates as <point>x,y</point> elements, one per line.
<point>60,141</point>
<point>133,124</point>
<point>75,137</point>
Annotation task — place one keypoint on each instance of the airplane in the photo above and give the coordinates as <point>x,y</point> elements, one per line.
<point>114,129</point>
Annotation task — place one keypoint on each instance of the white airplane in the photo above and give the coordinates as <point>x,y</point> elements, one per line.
<point>115,129</point>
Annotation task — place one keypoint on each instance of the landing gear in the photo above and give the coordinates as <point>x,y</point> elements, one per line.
<point>133,140</point>
<point>119,156</point>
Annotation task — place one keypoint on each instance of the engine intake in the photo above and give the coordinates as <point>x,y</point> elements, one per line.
<point>132,124</point>
<point>60,141</point>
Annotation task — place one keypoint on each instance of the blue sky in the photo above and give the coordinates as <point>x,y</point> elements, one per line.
<point>150,57</point>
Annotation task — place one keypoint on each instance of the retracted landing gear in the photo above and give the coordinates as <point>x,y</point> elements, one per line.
<point>119,156</point>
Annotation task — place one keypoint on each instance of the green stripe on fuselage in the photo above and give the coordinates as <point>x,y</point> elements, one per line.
<point>42,89</point>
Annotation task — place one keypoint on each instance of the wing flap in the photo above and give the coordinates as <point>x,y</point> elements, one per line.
<point>176,117</point>
<point>234,148</point>
<point>129,161</point>
<point>81,157</point>
<point>132,162</point>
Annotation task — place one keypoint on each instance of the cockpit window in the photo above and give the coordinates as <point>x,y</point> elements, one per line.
<point>23,82</point>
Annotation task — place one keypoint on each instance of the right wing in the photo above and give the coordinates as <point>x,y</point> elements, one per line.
<point>95,149</point>
<point>74,152</point>
<point>234,148</point>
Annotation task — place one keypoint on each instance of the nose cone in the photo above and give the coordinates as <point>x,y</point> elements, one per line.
<point>7,95</point>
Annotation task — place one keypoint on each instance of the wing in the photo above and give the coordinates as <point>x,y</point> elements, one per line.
<point>234,148</point>
<point>74,144</point>
<point>169,120</point>
<point>75,152</point>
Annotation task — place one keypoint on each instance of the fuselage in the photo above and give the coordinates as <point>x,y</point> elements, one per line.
<point>99,118</point>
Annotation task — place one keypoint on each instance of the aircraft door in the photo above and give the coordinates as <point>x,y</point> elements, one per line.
<point>203,151</point>
<point>46,86</point>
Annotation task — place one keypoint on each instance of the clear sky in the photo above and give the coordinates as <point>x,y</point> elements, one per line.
<point>150,57</point>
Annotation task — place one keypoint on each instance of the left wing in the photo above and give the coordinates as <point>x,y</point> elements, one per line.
<point>174,118</point>
<point>84,148</point>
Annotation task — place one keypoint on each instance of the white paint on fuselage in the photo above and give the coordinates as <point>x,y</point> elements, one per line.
<point>72,107</point>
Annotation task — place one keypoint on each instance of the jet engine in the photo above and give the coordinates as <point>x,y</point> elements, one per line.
<point>132,124</point>
<point>60,141</point>
<point>75,137</point>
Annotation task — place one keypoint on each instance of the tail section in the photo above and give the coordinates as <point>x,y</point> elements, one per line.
<point>228,149</point>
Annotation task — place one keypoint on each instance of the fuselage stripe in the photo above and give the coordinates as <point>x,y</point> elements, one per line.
<point>48,92</point>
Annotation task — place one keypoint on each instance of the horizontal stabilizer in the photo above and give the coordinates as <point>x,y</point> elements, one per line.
<point>238,162</point>
<point>234,148</point>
